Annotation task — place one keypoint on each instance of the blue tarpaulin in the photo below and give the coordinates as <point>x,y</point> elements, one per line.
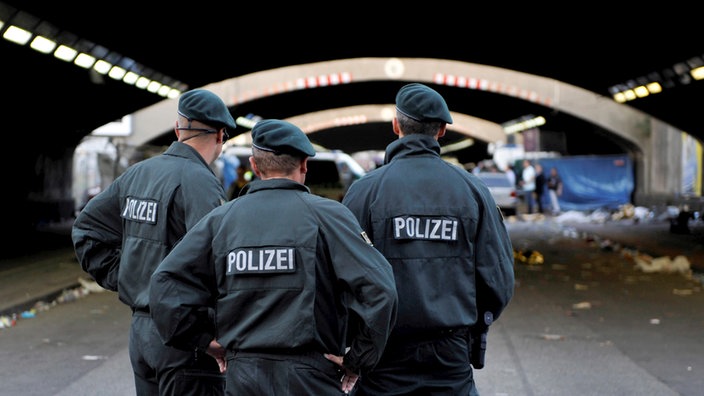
<point>591,182</point>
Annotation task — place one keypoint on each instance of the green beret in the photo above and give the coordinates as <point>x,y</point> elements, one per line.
<point>206,107</point>
<point>422,103</point>
<point>281,137</point>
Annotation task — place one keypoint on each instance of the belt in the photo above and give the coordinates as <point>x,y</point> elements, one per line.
<point>430,334</point>
<point>312,358</point>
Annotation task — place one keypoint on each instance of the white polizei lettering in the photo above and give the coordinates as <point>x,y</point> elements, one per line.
<point>429,228</point>
<point>399,224</point>
<point>140,210</point>
<point>239,259</point>
<point>451,228</point>
<point>283,259</point>
<point>270,254</point>
<point>131,207</point>
<point>127,207</point>
<point>253,267</point>
<point>151,211</point>
<point>268,260</point>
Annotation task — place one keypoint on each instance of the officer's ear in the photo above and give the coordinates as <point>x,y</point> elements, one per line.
<point>255,168</point>
<point>396,128</point>
<point>304,165</point>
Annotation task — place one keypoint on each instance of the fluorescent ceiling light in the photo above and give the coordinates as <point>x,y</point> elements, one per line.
<point>130,78</point>
<point>654,87</point>
<point>697,73</point>
<point>102,67</point>
<point>163,90</point>
<point>84,60</point>
<point>142,82</point>
<point>641,91</point>
<point>117,72</point>
<point>17,35</point>
<point>43,44</point>
<point>153,87</point>
<point>65,53</point>
<point>629,94</point>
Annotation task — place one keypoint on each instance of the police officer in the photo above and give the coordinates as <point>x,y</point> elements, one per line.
<point>124,232</point>
<point>293,279</point>
<point>445,238</point>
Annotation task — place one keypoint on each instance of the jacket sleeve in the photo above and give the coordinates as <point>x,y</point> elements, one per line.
<point>494,261</point>
<point>97,238</point>
<point>370,282</point>
<point>182,291</point>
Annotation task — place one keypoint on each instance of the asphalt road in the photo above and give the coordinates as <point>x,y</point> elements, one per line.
<point>584,321</point>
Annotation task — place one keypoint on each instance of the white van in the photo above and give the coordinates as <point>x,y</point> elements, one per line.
<point>330,173</point>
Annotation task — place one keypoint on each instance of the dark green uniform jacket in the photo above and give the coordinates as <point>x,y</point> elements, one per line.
<point>125,231</point>
<point>442,232</point>
<point>286,270</point>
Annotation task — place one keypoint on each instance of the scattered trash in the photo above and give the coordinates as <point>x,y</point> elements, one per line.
<point>654,321</point>
<point>7,321</point>
<point>68,295</point>
<point>649,264</point>
<point>94,357</point>
<point>530,257</point>
<point>582,305</point>
<point>553,337</point>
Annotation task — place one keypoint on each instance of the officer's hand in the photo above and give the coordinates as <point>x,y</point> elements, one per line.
<point>349,378</point>
<point>218,352</point>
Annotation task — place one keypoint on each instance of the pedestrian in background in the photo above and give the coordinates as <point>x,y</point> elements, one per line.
<point>554,183</point>
<point>447,243</point>
<point>292,277</point>
<point>539,186</point>
<point>527,183</point>
<point>125,231</point>
<point>511,174</point>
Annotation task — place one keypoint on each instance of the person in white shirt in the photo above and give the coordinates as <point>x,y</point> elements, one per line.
<point>528,184</point>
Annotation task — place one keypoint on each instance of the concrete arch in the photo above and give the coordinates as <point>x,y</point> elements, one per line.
<point>614,117</point>
<point>471,127</point>
<point>645,132</point>
<point>464,124</point>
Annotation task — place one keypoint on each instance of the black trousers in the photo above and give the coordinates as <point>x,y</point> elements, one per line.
<point>422,366</point>
<point>160,370</point>
<point>282,374</point>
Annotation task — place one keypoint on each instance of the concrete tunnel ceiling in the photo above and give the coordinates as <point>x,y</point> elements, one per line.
<point>525,38</point>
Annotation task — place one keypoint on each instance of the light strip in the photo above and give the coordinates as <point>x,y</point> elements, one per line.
<point>680,72</point>
<point>524,125</point>
<point>67,53</point>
